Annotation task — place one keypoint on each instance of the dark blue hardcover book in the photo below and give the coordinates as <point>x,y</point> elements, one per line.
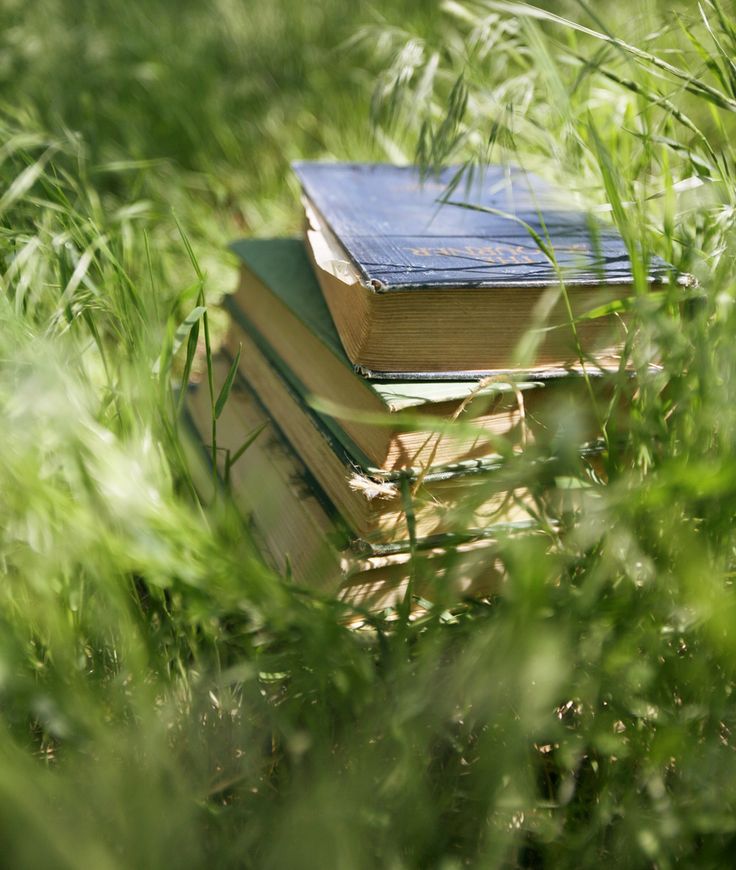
<point>432,276</point>
<point>403,232</point>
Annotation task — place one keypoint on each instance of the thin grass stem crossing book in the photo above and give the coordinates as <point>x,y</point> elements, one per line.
<point>298,530</point>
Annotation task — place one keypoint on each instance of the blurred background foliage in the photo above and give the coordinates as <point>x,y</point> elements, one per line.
<point>164,698</point>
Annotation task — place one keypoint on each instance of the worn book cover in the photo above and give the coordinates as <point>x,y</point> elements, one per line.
<point>404,232</point>
<point>501,274</point>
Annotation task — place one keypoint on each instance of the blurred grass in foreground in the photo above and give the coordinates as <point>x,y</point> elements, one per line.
<point>164,698</point>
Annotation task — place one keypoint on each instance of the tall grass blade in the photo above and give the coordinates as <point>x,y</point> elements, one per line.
<point>695,86</point>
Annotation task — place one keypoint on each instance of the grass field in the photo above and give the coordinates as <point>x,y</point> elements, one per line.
<point>165,699</point>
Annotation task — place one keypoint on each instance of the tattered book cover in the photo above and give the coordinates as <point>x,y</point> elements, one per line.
<point>405,232</point>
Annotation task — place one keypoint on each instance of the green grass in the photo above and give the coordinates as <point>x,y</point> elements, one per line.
<point>164,698</point>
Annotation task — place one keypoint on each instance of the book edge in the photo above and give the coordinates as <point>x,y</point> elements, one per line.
<point>376,285</point>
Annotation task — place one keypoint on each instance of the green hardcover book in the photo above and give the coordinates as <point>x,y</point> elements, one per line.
<point>393,424</point>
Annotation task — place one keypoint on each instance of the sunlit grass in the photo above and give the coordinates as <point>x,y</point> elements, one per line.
<point>165,698</point>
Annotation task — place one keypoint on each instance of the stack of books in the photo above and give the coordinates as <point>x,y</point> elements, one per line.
<point>398,363</point>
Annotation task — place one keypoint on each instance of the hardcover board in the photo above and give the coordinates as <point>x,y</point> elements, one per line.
<point>405,232</point>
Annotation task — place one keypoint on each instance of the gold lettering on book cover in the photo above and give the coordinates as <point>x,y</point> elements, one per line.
<point>498,255</point>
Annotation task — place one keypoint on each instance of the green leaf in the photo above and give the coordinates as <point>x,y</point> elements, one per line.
<point>25,181</point>
<point>227,386</point>
<point>185,327</point>
<point>191,352</point>
<point>233,458</point>
<point>181,333</point>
